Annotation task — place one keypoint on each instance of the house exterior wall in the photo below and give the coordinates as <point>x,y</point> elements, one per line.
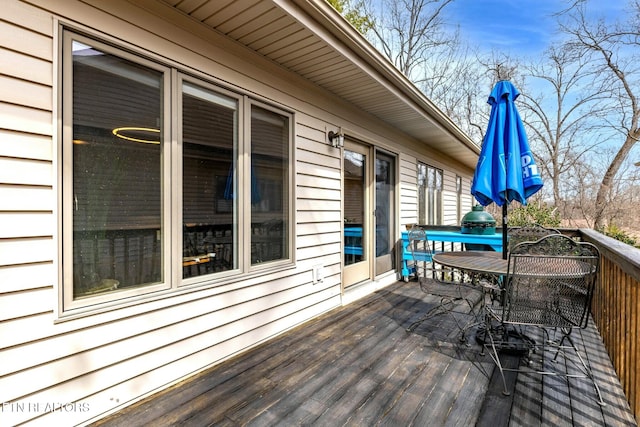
<point>68,370</point>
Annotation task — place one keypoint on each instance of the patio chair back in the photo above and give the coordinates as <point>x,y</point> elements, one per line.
<point>528,233</point>
<point>550,282</point>
<point>419,246</point>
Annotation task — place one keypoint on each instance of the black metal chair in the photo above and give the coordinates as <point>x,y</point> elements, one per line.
<point>528,233</point>
<point>549,285</point>
<point>446,285</point>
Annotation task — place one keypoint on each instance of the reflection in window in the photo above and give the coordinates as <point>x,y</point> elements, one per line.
<point>429,195</point>
<point>385,202</point>
<point>117,179</point>
<point>209,127</point>
<point>269,186</point>
<point>139,205</point>
<point>354,206</point>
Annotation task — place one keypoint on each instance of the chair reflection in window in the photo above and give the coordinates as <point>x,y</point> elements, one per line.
<point>206,249</point>
<point>267,241</point>
<point>197,255</point>
<point>352,244</point>
<point>115,259</point>
<point>549,286</point>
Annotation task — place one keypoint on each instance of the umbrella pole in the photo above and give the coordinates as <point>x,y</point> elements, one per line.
<point>504,231</point>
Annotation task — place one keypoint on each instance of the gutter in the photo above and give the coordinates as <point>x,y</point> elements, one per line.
<point>336,26</point>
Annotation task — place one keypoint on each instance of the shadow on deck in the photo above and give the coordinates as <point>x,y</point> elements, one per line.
<point>358,366</point>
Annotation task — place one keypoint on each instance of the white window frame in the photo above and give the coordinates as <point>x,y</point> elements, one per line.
<point>184,78</point>
<point>171,172</point>
<point>247,188</point>
<point>433,212</point>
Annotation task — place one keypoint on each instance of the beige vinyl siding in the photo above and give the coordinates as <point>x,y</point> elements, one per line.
<point>449,198</point>
<point>18,91</point>
<point>318,192</point>
<point>35,70</point>
<point>24,145</point>
<point>25,119</point>
<point>408,190</point>
<point>25,224</point>
<point>23,277</point>
<point>32,37</point>
<point>25,171</point>
<point>27,199</point>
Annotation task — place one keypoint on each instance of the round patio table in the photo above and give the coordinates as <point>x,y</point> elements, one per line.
<point>486,262</point>
<point>491,263</point>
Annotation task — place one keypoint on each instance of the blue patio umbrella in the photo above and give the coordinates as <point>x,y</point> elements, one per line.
<point>506,170</point>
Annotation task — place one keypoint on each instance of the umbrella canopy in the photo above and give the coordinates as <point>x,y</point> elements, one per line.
<point>506,170</point>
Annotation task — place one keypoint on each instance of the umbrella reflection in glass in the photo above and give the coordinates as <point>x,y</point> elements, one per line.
<point>506,170</point>
<point>255,188</point>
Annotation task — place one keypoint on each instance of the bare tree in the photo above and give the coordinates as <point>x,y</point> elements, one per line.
<point>585,92</point>
<point>614,50</point>
<point>561,118</point>
<point>580,185</point>
<point>455,80</point>
<point>413,35</point>
<point>407,31</point>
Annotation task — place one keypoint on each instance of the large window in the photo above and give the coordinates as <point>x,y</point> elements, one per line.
<point>161,187</point>
<point>429,195</point>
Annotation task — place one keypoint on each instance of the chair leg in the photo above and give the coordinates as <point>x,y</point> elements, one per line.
<point>588,373</point>
<point>496,358</point>
<point>582,366</point>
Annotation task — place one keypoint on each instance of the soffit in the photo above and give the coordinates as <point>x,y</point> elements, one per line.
<point>309,38</point>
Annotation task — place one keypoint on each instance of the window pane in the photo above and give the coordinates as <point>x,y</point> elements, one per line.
<point>355,191</point>
<point>458,199</point>
<point>437,205</point>
<point>269,192</point>
<point>385,203</point>
<point>429,194</point>
<point>117,177</point>
<point>422,192</point>
<point>431,185</point>
<point>209,129</point>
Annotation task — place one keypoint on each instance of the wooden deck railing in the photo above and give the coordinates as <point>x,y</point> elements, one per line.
<point>616,310</point>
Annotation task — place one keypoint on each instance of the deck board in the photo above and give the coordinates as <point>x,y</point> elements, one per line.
<point>358,366</point>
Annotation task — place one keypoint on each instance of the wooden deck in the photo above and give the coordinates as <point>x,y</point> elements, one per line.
<point>358,366</point>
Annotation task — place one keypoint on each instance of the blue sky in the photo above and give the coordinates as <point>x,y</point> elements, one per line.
<point>516,26</point>
<point>520,27</point>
